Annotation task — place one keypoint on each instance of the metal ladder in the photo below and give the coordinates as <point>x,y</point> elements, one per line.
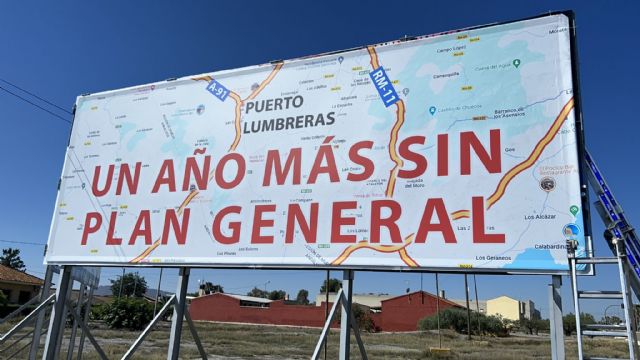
<point>624,244</point>
<point>628,330</point>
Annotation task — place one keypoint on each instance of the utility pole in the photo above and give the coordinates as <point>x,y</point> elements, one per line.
<point>135,284</point>
<point>466,290</point>
<point>475,287</point>
<point>121,283</point>
<point>155,305</point>
<point>438,311</point>
<point>421,291</point>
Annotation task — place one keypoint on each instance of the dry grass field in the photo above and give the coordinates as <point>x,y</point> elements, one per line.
<point>235,342</point>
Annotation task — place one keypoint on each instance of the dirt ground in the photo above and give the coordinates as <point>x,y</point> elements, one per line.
<point>241,341</point>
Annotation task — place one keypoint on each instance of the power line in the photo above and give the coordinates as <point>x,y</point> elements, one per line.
<point>36,96</point>
<point>21,242</point>
<point>36,105</point>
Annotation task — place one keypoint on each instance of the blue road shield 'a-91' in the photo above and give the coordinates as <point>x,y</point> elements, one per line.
<point>384,86</point>
<point>218,90</point>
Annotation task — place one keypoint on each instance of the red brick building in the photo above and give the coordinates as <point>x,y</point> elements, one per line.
<point>400,313</point>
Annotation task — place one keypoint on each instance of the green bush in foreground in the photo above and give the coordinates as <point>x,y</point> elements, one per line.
<point>127,313</point>
<point>456,319</point>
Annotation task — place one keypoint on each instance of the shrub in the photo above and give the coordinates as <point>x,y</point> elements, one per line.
<point>569,322</point>
<point>127,313</point>
<point>365,322</point>
<point>98,311</point>
<point>362,317</point>
<point>456,319</point>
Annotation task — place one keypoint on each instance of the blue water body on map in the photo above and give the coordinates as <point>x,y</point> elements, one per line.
<point>535,259</point>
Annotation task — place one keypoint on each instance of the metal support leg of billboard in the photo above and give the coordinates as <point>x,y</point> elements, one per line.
<point>146,331</point>
<point>65,314</point>
<point>27,320</point>
<point>57,320</point>
<point>77,317</point>
<point>178,314</point>
<point>37,332</point>
<point>87,312</point>
<point>555,318</point>
<point>74,326</point>
<point>347,322</point>
<point>178,301</point>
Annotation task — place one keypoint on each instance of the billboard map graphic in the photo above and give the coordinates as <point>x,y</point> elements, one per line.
<point>451,151</point>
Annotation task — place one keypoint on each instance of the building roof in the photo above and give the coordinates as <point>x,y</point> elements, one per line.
<point>370,300</point>
<point>14,276</point>
<point>426,293</point>
<point>248,298</point>
<point>503,297</point>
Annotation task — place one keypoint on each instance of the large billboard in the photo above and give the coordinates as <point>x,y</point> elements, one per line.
<point>451,151</point>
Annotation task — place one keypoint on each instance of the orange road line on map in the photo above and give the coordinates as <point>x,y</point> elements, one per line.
<point>535,154</point>
<point>404,255</point>
<point>392,148</point>
<point>374,57</point>
<point>206,78</point>
<point>251,96</point>
<point>533,157</point>
<point>238,114</point>
<point>265,82</point>
<point>391,184</point>
<point>460,214</point>
<point>393,139</point>
<point>366,245</point>
<point>233,146</point>
<point>156,243</point>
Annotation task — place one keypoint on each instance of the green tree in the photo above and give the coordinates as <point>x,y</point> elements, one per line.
<point>365,322</point>
<point>131,313</point>
<point>527,325</point>
<point>569,322</point>
<point>132,285</point>
<point>11,258</point>
<point>334,286</point>
<point>456,319</point>
<point>611,320</point>
<point>255,292</point>
<point>210,288</point>
<point>533,326</point>
<point>303,297</point>
<point>277,295</point>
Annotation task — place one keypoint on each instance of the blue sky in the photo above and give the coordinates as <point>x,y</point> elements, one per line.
<point>62,49</point>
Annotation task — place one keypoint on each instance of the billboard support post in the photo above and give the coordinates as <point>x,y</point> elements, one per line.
<point>87,312</point>
<point>326,308</point>
<point>327,325</point>
<point>37,331</point>
<point>57,315</point>
<point>74,327</point>
<point>195,336</point>
<point>555,316</point>
<point>178,314</point>
<point>345,320</point>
